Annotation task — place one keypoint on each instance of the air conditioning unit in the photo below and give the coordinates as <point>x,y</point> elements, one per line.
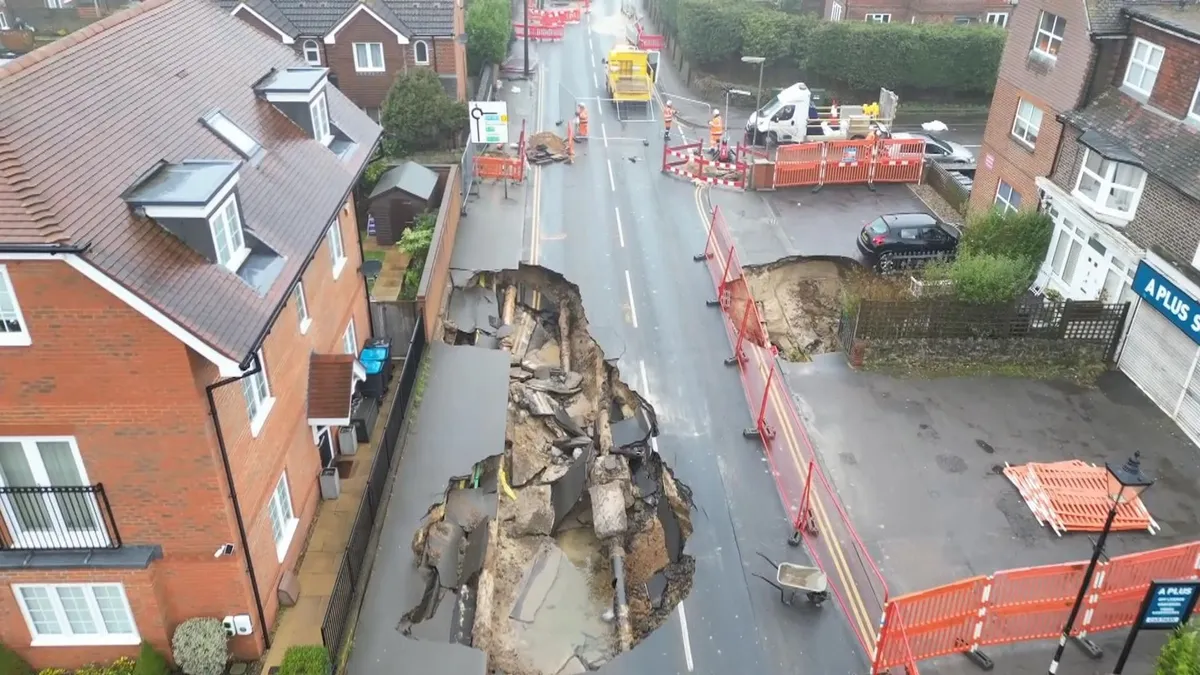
<point>347,440</point>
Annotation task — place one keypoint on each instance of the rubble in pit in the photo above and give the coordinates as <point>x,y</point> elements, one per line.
<point>585,553</point>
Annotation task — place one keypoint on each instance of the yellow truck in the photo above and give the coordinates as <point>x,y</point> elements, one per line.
<point>629,78</point>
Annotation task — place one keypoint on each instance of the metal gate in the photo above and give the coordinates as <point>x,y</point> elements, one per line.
<point>1161,360</point>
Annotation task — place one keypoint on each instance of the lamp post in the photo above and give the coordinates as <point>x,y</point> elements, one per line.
<point>760,60</point>
<point>735,92</point>
<point>1125,483</point>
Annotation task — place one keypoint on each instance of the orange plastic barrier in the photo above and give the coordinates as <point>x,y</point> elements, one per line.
<point>1072,496</point>
<point>546,33</point>
<point>801,164</point>
<point>1030,603</point>
<point>898,161</point>
<point>847,162</point>
<point>935,623</point>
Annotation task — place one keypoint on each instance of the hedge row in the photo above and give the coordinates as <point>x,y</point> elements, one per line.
<point>857,55</point>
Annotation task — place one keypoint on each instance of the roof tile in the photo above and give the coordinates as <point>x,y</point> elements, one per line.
<point>330,378</point>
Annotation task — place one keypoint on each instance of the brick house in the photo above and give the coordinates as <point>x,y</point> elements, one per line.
<point>995,12</point>
<point>180,297</point>
<point>366,43</point>
<point>49,17</point>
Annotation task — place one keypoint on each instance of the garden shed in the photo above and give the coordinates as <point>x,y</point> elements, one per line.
<point>403,192</point>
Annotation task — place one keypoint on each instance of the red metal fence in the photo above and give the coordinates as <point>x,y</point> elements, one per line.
<point>849,162</point>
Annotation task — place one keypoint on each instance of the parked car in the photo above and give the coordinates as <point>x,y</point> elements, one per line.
<point>907,236</point>
<point>944,152</point>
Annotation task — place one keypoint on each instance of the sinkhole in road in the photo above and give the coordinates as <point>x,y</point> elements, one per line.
<point>566,548</point>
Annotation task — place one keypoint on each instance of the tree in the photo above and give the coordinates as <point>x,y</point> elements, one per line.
<point>489,29</point>
<point>418,114</point>
<point>1181,654</point>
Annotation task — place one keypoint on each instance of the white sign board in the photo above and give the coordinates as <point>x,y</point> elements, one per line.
<point>488,122</point>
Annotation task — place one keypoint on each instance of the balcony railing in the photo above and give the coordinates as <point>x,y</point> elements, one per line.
<point>56,518</point>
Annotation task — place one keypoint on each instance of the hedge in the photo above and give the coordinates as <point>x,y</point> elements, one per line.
<point>851,55</point>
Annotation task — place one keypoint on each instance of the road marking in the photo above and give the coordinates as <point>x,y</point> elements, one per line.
<point>595,83</point>
<point>620,232</point>
<point>632,309</point>
<point>604,133</point>
<point>611,182</point>
<point>861,618</point>
<point>687,640</point>
<point>645,378</point>
<point>590,43</point>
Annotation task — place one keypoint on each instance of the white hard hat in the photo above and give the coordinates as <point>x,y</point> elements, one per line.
<point>716,112</point>
<point>668,102</point>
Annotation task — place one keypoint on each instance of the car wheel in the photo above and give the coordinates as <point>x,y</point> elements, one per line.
<point>772,139</point>
<point>887,263</point>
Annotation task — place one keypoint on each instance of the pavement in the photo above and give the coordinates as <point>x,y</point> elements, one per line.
<point>625,233</point>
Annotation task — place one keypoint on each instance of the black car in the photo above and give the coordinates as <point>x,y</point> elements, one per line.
<point>898,235</point>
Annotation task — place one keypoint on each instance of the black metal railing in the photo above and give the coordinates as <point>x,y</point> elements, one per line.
<point>352,569</point>
<point>58,518</point>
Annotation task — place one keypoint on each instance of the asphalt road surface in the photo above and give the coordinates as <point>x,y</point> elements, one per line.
<point>625,233</point>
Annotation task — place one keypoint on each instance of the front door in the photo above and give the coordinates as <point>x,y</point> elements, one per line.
<point>325,447</point>
<point>1093,268</point>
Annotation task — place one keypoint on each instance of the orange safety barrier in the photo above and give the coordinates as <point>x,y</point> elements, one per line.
<point>547,18</point>
<point>1072,496</point>
<point>802,164</point>
<point>936,622</point>
<point>847,162</point>
<point>546,33</point>
<point>898,161</point>
<point>1030,603</point>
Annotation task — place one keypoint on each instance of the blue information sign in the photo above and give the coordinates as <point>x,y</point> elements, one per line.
<point>1182,309</point>
<point>1168,604</point>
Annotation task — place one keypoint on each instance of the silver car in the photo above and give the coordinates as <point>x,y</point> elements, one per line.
<point>947,153</point>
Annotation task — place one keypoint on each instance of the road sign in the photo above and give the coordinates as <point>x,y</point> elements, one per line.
<point>489,122</point>
<point>1168,604</point>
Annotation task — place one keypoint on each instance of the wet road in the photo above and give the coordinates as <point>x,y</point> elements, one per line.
<point>625,233</point>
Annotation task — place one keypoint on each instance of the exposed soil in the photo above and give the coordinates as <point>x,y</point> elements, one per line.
<point>800,301</point>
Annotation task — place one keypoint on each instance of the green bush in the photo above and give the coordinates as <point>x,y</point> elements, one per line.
<point>1024,234</point>
<point>416,242</point>
<point>418,114</point>
<point>489,30</point>
<point>1181,654</point>
<point>709,30</point>
<point>122,666</point>
<point>983,279</point>
<point>10,662</point>
<point>150,661</point>
<point>201,647</point>
<point>305,660</point>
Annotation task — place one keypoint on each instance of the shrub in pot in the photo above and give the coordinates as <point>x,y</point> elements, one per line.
<point>201,647</point>
<point>306,660</point>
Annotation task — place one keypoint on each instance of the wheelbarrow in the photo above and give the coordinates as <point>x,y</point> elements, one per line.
<point>792,579</point>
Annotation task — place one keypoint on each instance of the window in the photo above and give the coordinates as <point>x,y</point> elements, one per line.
<point>227,234</point>
<point>1049,37</point>
<point>232,134</point>
<point>54,4</point>
<point>879,18</point>
<point>835,12</point>
<point>337,253</point>
<point>1027,123</point>
<point>421,53</point>
<point>1109,187</point>
<point>350,339</point>
<point>319,109</point>
<point>13,331</point>
<point>998,19</point>
<point>301,307</point>
<point>312,53</point>
<point>964,20</point>
<point>37,517</point>
<point>70,615</point>
<point>257,391</point>
<point>368,57</point>
<point>1144,62</point>
<point>1007,199</point>
<point>283,519</point>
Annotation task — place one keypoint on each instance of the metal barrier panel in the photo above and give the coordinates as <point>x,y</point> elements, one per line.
<point>847,162</point>
<point>544,33</point>
<point>1115,609</point>
<point>799,164</point>
<point>898,161</point>
<point>1137,570</point>
<point>1030,603</point>
<point>937,622</point>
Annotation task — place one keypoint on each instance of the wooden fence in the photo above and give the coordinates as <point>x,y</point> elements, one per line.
<point>943,183</point>
<point>394,319</point>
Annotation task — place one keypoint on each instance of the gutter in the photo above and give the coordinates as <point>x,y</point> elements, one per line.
<point>51,249</point>
<point>233,496</point>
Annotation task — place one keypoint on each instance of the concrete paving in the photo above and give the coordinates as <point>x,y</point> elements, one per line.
<point>917,464</point>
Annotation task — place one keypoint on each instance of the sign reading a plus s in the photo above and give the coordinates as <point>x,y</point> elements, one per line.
<point>1182,309</point>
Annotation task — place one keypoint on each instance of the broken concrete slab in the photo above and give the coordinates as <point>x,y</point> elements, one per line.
<point>567,384</point>
<point>563,419</point>
<point>468,507</point>
<point>538,403</point>
<point>519,375</point>
<point>440,625</point>
<point>553,473</point>
<point>527,462</point>
<point>442,547</point>
<point>473,308</point>
<point>573,666</point>
<point>536,583</point>
<point>534,512</point>
<point>608,509</point>
<point>476,553</point>
<point>656,589</point>
<point>568,489</point>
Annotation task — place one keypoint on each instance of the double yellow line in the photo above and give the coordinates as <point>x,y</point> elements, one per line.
<point>863,622</point>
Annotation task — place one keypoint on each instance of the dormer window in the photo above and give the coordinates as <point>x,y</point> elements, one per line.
<point>319,109</point>
<point>239,140</point>
<point>1109,188</point>
<point>226,224</point>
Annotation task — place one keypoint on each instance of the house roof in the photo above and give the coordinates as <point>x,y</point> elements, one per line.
<point>330,384</point>
<point>315,18</point>
<point>139,94</point>
<point>1165,147</point>
<point>1184,19</point>
<point>418,181</point>
<point>1105,16</point>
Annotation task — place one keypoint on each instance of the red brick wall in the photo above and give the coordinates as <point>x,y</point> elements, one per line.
<point>367,90</point>
<point>1178,74</point>
<point>925,11</point>
<point>1013,161</point>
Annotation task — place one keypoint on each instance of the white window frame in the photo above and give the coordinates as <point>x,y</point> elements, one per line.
<point>1004,204</point>
<point>835,12</point>
<point>280,498</point>
<point>301,307</point>
<point>54,4</point>
<point>1024,126</point>
<point>232,134</point>
<point>997,19</point>
<point>350,339</point>
<point>319,109</point>
<point>365,63</point>
<point>8,296</point>
<point>428,56</point>
<point>1148,67</point>
<point>3,21</point>
<point>1106,185</point>
<point>60,533</point>
<point>878,17</point>
<point>337,248</point>
<point>312,52</point>
<point>1053,40</point>
<point>233,234</point>
<point>259,399</point>
<point>1194,109</point>
<point>66,638</point>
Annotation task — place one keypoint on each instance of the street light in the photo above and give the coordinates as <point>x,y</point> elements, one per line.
<point>760,60</point>
<point>1125,483</point>
<point>728,92</point>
